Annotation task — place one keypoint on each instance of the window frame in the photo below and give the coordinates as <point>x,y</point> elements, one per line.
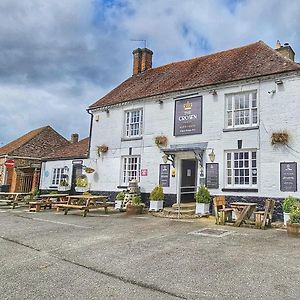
<point>125,169</point>
<point>240,112</point>
<point>57,176</point>
<point>127,132</point>
<point>240,164</point>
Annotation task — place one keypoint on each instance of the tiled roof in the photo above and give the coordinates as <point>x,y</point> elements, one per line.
<point>75,150</point>
<point>35,143</point>
<point>254,60</point>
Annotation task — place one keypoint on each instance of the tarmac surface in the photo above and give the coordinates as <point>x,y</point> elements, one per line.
<point>48,255</point>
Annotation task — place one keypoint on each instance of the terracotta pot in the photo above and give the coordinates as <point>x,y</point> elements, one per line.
<point>293,229</point>
<point>134,210</point>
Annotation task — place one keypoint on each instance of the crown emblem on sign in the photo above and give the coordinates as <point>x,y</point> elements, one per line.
<point>187,106</point>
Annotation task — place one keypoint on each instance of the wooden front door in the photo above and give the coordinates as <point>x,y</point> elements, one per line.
<point>188,184</point>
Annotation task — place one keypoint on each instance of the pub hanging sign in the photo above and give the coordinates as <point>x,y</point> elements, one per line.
<point>188,116</point>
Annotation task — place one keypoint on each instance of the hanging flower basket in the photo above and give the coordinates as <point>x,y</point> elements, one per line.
<point>102,149</point>
<point>281,137</point>
<point>89,170</point>
<point>161,140</point>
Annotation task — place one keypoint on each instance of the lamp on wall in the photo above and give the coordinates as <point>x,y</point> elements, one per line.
<point>278,81</point>
<point>213,92</point>
<point>212,155</point>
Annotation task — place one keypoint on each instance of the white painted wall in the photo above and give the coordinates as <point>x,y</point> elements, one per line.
<point>276,112</point>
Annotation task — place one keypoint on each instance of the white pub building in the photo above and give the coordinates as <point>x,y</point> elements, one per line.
<point>229,120</point>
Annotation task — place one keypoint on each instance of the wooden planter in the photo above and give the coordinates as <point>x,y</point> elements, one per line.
<point>134,209</point>
<point>293,229</point>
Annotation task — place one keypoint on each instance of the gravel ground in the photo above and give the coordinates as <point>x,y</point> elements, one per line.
<point>48,255</point>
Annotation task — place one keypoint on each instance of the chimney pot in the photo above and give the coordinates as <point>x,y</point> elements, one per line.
<point>74,138</point>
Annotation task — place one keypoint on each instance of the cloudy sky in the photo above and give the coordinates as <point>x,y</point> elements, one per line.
<point>57,57</point>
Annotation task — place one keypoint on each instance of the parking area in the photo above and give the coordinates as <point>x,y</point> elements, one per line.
<point>48,255</point>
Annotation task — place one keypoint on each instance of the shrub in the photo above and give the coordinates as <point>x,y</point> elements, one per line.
<point>136,201</point>
<point>202,195</point>
<point>289,203</point>
<point>157,194</point>
<point>64,182</point>
<point>295,215</point>
<point>81,181</point>
<point>120,196</point>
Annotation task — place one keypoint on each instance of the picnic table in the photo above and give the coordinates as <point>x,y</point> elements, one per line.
<point>84,203</point>
<point>243,212</point>
<point>47,200</point>
<point>12,199</point>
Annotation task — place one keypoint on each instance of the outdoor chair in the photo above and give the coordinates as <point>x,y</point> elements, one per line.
<point>222,213</point>
<point>264,218</point>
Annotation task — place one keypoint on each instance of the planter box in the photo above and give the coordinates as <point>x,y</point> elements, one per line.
<point>293,229</point>
<point>134,210</point>
<point>118,204</point>
<point>156,205</point>
<point>63,188</point>
<point>80,189</point>
<point>286,217</point>
<point>202,208</point>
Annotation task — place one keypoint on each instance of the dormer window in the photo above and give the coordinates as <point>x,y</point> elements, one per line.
<point>133,123</point>
<point>241,110</point>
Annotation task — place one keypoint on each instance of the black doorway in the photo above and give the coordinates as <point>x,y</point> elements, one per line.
<point>188,183</point>
<point>77,171</point>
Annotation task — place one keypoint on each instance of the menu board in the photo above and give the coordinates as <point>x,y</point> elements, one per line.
<point>288,176</point>
<point>164,175</point>
<point>212,175</point>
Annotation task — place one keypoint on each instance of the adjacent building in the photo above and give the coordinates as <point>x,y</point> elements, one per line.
<point>24,156</point>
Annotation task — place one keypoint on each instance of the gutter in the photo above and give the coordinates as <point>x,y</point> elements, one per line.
<point>91,129</point>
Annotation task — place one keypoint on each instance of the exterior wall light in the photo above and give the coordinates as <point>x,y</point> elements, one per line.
<point>278,81</point>
<point>212,155</point>
<point>213,92</point>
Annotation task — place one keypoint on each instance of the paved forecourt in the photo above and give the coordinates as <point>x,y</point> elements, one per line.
<point>48,255</point>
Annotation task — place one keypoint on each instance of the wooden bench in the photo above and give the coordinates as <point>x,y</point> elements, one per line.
<point>264,218</point>
<point>223,214</point>
<point>37,205</point>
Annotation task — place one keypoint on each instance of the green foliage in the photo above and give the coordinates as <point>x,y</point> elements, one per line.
<point>36,192</point>
<point>202,195</point>
<point>64,182</point>
<point>157,194</point>
<point>136,201</point>
<point>120,196</point>
<point>53,192</point>
<point>289,203</point>
<point>295,215</point>
<point>81,181</point>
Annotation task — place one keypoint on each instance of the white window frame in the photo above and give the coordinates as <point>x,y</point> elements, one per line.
<point>240,107</point>
<point>130,169</point>
<point>57,174</point>
<point>133,127</point>
<point>238,168</point>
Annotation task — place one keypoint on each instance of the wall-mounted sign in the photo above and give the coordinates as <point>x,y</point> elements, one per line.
<point>164,175</point>
<point>188,116</point>
<point>77,162</point>
<point>9,163</point>
<point>144,172</point>
<point>212,175</point>
<point>288,176</point>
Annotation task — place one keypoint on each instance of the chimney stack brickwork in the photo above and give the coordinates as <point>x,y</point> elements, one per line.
<point>286,50</point>
<point>142,60</point>
<point>74,138</point>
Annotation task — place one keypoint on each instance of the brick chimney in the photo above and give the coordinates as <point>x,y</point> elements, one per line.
<point>286,50</point>
<point>74,138</point>
<point>142,60</point>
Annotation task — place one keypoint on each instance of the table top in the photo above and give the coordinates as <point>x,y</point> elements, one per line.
<point>53,195</point>
<point>4,193</point>
<point>243,204</point>
<point>87,197</point>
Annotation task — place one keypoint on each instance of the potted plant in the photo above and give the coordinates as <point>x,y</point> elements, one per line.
<point>161,140</point>
<point>135,206</point>
<point>287,206</point>
<point>64,185</point>
<point>102,149</point>
<point>293,225</point>
<point>119,200</point>
<point>157,198</point>
<point>82,184</point>
<point>202,197</point>
<point>89,170</point>
<point>280,137</point>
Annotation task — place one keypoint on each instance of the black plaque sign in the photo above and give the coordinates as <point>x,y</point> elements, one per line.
<point>188,116</point>
<point>212,175</point>
<point>164,175</point>
<point>288,176</point>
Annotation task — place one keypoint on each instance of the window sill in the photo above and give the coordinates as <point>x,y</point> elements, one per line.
<point>131,139</point>
<point>240,129</point>
<point>249,190</point>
